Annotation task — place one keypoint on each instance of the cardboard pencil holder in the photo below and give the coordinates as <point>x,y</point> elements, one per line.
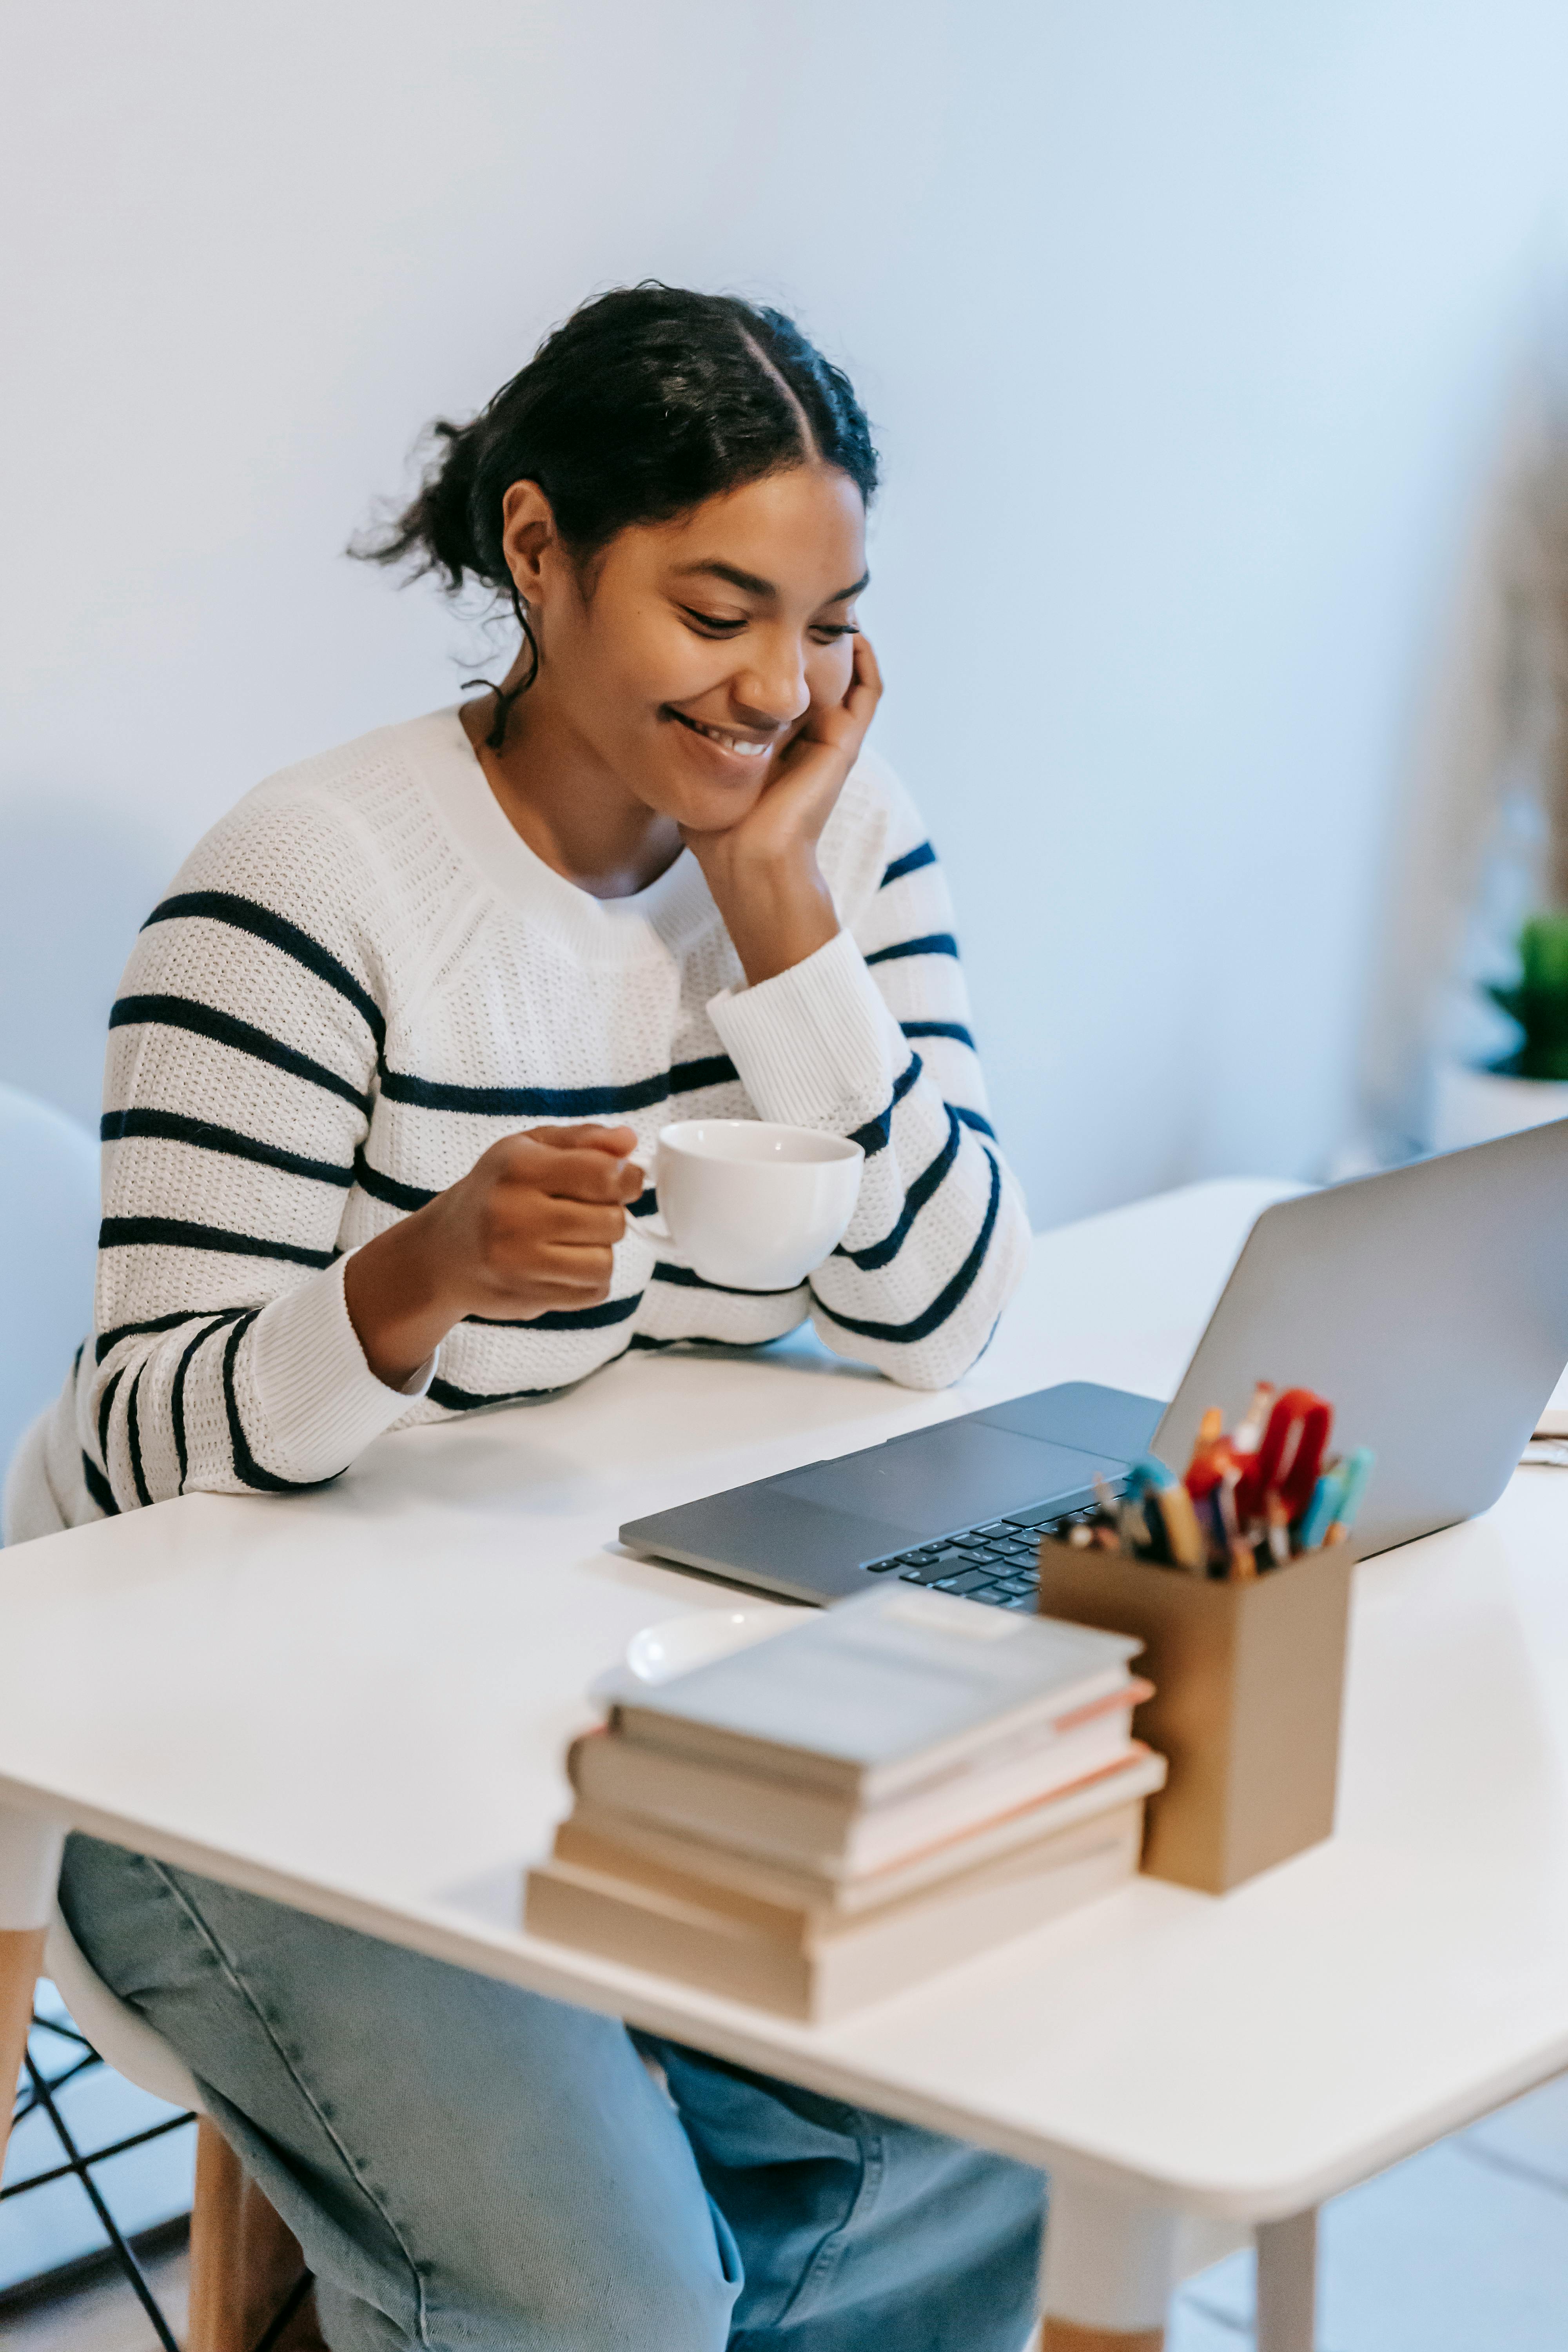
<point>1248,1680</point>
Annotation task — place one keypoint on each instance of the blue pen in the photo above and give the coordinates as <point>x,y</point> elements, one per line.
<point>1357,1471</point>
<point>1319,1515</point>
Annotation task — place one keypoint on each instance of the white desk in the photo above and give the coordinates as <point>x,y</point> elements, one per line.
<point>357,1702</point>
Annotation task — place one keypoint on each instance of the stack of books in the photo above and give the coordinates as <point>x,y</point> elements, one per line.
<point>854,1803</point>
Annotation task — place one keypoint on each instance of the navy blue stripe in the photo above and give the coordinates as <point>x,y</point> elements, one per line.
<point>381,1187</point>
<point>644,1205</point>
<point>177,1391</point>
<point>99,1487</point>
<point>206,1021</point>
<point>457,1400</point>
<point>645,1341</point>
<point>180,1233</point>
<point>565,1319</point>
<point>873,1137</point>
<point>686,1277</point>
<point>559,1102</point>
<point>524,1102</point>
<point>174,1127</point>
<point>953,1029</point>
<point>105,1406</point>
<point>950,1297</point>
<point>107,1341</point>
<point>76,1360</point>
<point>934,943</point>
<point>973,1119</point>
<point>246,915</point>
<point>709,1070</point>
<point>881,1253</point>
<point>909,863</point>
<point>133,1437</point>
<point>245,1465</point>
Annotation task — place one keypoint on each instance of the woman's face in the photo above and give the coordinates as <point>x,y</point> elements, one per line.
<point>694,650</point>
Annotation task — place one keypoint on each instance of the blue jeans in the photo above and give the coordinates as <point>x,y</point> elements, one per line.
<point>472,2169</point>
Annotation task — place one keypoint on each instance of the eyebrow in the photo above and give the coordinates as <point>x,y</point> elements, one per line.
<point>751,585</point>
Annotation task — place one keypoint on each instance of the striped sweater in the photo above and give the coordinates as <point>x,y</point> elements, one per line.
<point>361,979</point>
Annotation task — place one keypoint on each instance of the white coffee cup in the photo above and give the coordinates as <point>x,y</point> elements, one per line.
<point>750,1204</point>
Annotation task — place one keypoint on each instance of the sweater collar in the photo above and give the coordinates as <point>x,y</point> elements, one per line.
<point>600,930</point>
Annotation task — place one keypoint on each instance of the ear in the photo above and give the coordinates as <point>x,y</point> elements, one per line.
<point>530,540</point>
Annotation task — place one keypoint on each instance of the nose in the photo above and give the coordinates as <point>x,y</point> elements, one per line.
<point>772,689</point>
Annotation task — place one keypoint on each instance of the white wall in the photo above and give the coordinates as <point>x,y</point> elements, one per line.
<point>1187,328</point>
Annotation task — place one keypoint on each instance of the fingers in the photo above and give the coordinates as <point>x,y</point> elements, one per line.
<point>585,1224</point>
<point>570,1278</point>
<point>619,1141</point>
<point>589,1270</point>
<point>865,682</point>
<point>555,1161</point>
<point>589,1176</point>
<point>550,1253</point>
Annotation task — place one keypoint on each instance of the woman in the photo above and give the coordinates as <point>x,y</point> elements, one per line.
<point>380,1088</point>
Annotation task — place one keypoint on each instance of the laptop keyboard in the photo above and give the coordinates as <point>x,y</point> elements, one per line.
<point>997,1563</point>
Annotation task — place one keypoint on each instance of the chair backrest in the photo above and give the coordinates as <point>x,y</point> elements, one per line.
<point>48,1240</point>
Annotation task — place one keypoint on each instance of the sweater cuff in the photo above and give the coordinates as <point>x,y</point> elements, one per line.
<point>320,1402</point>
<point>814,1046</point>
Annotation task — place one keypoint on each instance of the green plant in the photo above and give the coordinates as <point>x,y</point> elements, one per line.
<point>1539,1001</point>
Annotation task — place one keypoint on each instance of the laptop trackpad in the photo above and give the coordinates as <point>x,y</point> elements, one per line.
<point>952,1476</point>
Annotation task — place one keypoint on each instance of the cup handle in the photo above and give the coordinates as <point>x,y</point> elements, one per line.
<point>655,1230</point>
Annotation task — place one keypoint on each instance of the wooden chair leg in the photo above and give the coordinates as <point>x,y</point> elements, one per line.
<point>245,2260</point>
<point>21,1964</point>
<point>1066,2336</point>
<point>274,2265</point>
<point>217,2246</point>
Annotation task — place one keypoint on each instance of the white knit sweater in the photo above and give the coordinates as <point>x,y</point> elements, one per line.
<point>362,978</point>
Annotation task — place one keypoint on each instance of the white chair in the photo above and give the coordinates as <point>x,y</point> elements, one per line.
<point>248,2279</point>
<point>48,1240</point>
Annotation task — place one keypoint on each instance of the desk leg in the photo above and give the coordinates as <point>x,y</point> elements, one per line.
<point>29,1870</point>
<point>1111,2265</point>
<point>1288,2283</point>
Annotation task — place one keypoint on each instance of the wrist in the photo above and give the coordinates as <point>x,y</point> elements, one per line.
<point>399,1299</point>
<point>776,916</point>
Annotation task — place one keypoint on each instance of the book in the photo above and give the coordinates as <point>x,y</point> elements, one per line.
<point>597,1837</point>
<point>869,1698</point>
<point>816,1969</point>
<point>833,1831</point>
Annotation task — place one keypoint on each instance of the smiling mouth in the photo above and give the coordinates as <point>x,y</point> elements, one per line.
<point>747,746</point>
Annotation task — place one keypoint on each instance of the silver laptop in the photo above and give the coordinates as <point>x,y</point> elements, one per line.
<point>1429,1304</point>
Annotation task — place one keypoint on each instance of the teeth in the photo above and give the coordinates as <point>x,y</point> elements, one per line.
<point>741,743</point>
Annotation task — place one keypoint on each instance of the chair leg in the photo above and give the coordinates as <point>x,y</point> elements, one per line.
<point>1111,2265</point>
<point>1066,2336</point>
<point>21,1964</point>
<point>245,2260</point>
<point>217,2246</point>
<point>274,2267</point>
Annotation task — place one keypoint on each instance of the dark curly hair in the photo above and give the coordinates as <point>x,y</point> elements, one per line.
<point>644,403</point>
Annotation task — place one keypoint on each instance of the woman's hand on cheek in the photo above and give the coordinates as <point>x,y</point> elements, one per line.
<point>762,871</point>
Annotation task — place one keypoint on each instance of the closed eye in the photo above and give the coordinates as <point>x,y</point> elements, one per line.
<point>716,624</point>
<point>713,623</point>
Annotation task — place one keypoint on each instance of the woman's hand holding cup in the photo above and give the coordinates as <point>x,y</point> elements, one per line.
<point>531,1228</point>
